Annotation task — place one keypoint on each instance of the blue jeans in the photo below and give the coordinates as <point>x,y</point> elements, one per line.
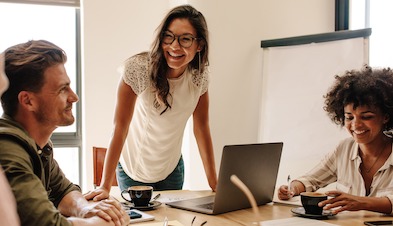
<point>174,181</point>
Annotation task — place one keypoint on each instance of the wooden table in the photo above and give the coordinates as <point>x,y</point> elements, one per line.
<point>243,217</point>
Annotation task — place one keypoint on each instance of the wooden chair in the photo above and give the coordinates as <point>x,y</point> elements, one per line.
<point>98,164</point>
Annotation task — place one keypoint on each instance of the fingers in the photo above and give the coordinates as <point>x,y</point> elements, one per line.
<point>126,218</point>
<point>336,207</point>
<point>333,193</point>
<point>283,193</point>
<point>97,195</point>
<point>89,195</point>
<point>103,215</point>
<point>334,197</point>
<point>100,196</point>
<point>340,202</point>
<point>111,210</point>
<point>213,187</point>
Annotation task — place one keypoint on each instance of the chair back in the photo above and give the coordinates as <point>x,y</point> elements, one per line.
<point>98,164</point>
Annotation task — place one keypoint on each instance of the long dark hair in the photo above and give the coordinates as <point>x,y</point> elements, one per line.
<point>159,66</point>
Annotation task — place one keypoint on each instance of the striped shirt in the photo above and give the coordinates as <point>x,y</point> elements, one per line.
<point>343,166</point>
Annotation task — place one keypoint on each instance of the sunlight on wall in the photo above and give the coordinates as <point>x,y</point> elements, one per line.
<point>379,21</point>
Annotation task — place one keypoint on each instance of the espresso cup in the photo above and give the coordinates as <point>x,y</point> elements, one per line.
<point>140,195</point>
<point>310,202</point>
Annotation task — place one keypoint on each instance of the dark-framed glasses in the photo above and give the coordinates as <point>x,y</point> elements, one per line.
<point>184,41</point>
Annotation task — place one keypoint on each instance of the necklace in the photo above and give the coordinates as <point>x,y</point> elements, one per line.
<point>375,161</point>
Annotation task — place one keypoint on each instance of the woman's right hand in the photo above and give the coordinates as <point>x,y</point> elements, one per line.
<point>284,193</point>
<point>98,194</point>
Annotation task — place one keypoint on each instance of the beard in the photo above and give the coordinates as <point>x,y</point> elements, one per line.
<point>54,118</point>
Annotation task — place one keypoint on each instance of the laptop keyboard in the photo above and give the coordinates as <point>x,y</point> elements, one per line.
<point>208,206</point>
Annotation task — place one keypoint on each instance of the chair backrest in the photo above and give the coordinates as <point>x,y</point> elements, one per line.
<point>98,164</point>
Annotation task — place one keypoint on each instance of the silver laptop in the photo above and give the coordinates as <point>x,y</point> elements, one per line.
<point>255,164</point>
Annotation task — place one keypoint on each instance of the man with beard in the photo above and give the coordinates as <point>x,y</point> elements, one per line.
<point>39,99</point>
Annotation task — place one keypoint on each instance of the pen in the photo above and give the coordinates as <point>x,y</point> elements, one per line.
<point>156,197</point>
<point>289,186</point>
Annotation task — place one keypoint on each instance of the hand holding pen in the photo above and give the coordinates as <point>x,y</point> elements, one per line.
<point>292,188</point>
<point>286,192</point>
<point>290,191</point>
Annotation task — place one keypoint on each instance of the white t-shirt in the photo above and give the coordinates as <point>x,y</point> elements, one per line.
<point>153,146</point>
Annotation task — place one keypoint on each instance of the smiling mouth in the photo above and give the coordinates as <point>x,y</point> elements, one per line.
<point>175,55</point>
<point>358,132</point>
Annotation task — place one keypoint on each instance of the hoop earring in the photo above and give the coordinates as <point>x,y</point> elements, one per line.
<point>388,132</point>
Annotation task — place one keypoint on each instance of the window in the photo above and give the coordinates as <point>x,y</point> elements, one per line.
<point>58,24</point>
<point>377,16</point>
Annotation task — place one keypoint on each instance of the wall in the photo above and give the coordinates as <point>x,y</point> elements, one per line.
<point>113,32</point>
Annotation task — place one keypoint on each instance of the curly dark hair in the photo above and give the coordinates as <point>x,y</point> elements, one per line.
<point>365,87</point>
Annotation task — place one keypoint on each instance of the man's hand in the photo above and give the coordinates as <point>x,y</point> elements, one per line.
<point>109,210</point>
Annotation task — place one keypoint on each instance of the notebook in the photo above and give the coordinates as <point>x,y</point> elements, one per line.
<point>254,164</point>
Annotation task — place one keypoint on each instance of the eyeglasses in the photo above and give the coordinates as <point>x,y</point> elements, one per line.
<point>185,40</point>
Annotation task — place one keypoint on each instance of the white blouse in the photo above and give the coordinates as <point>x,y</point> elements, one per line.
<point>153,146</point>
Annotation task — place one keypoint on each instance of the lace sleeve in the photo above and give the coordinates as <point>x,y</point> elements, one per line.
<point>135,72</point>
<point>201,81</point>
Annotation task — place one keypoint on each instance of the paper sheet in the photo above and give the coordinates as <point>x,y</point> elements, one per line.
<point>171,223</point>
<point>175,196</point>
<point>295,221</point>
<point>292,201</point>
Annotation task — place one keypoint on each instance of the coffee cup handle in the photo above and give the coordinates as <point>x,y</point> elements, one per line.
<point>125,191</point>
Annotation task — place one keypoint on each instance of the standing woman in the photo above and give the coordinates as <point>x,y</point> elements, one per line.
<point>158,92</point>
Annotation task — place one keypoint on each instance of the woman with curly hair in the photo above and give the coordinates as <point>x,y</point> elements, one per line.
<point>362,165</point>
<point>157,94</point>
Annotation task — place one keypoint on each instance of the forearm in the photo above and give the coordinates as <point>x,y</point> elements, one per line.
<point>377,204</point>
<point>72,204</point>
<point>209,166</point>
<point>203,138</point>
<point>113,152</point>
<point>112,158</point>
<point>297,187</point>
<point>207,157</point>
<point>207,154</point>
<point>93,221</point>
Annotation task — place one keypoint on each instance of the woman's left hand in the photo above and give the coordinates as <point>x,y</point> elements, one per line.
<point>341,202</point>
<point>213,183</point>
